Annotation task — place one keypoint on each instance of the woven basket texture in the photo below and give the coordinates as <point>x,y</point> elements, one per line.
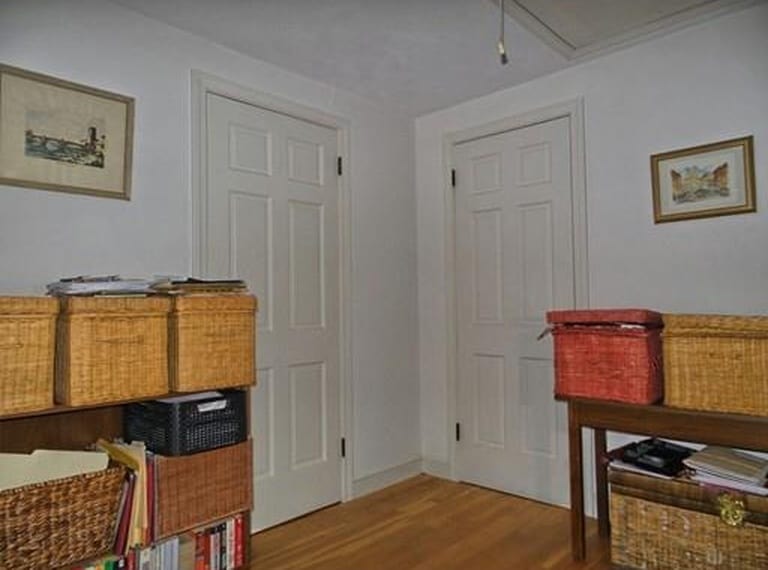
<point>27,331</point>
<point>212,340</point>
<point>716,363</point>
<point>649,533</point>
<point>607,362</point>
<point>58,523</point>
<point>111,349</point>
<point>195,490</point>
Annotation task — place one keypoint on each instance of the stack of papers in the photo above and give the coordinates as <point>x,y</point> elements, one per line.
<point>102,285</point>
<point>18,469</point>
<point>728,467</point>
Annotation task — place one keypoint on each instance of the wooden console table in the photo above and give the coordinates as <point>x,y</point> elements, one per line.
<point>732,430</point>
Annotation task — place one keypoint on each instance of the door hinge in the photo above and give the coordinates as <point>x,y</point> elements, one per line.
<point>453,177</point>
<point>338,165</point>
<point>343,446</point>
<point>458,431</point>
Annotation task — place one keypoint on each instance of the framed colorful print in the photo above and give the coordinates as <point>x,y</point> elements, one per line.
<point>709,180</point>
<point>58,135</point>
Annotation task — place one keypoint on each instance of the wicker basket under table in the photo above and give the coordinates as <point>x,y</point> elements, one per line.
<point>716,363</point>
<point>659,524</point>
<point>57,523</point>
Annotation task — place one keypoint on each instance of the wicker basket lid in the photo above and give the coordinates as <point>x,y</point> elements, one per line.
<point>228,302</point>
<point>605,316</point>
<point>716,324</point>
<point>28,305</point>
<point>130,306</point>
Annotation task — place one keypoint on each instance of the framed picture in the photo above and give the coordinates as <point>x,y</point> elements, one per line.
<point>709,180</point>
<point>58,135</point>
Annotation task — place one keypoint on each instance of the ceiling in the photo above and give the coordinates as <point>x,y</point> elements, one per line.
<point>423,55</point>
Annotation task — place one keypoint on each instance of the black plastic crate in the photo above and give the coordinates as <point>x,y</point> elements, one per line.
<point>188,426</point>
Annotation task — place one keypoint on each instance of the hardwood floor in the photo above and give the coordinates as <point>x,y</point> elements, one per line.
<point>426,523</point>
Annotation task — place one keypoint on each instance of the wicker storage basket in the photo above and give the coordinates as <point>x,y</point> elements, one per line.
<point>716,363</point>
<point>661,524</point>
<point>212,340</point>
<point>27,330</point>
<point>111,349</point>
<point>608,354</point>
<point>58,523</point>
<point>194,490</point>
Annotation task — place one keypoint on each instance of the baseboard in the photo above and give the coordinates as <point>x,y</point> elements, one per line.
<point>385,478</point>
<point>437,468</point>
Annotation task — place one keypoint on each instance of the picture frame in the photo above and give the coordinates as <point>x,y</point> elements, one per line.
<point>716,179</point>
<point>64,136</point>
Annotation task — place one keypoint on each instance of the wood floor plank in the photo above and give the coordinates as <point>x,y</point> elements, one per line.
<point>426,523</point>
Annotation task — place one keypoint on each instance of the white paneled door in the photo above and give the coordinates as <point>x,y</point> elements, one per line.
<point>514,260</point>
<point>271,219</point>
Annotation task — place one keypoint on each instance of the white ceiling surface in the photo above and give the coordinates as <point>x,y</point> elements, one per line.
<point>415,55</point>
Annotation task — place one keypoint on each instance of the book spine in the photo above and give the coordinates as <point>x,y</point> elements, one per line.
<point>239,541</point>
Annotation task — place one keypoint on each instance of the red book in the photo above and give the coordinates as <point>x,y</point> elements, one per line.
<point>121,539</point>
<point>199,551</point>
<point>239,543</point>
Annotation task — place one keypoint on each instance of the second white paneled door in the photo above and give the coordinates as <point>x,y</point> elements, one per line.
<point>514,260</point>
<point>272,219</point>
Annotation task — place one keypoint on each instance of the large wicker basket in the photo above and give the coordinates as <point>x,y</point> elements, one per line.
<point>716,363</point>
<point>194,490</point>
<point>607,354</point>
<point>27,329</point>
<point>111,349</point>
<point>664,524</point>
<point>212,342</point>
<point>57,523</point>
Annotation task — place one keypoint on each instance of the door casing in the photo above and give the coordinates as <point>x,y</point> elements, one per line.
<point>574,110</point>
<point>204,83</point>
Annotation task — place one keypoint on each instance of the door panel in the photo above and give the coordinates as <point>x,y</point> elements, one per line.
<point>271,219</point>
<point>514,261</point>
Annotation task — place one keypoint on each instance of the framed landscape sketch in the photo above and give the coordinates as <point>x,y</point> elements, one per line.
<point>58,135</point>
<point>702,181</point>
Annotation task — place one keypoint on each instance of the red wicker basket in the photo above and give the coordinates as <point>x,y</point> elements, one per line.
<point>608,354</point>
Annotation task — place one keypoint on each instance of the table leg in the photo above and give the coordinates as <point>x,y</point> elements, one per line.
<point>578,543</point>
<point>601,483</point>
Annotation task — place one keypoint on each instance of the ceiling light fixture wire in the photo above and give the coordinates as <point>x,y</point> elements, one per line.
<point>501,46</point>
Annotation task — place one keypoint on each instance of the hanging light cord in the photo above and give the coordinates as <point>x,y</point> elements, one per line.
<point>502,48</point>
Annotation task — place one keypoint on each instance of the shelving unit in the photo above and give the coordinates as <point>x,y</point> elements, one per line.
<point>64,427</point>
<point>76,427</point>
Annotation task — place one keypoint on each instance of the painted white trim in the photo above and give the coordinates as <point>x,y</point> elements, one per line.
<point>385,478</point>
<point>574,110</point>
<point>436,468</point>
<point>683,19</point>
<point>204,83</point>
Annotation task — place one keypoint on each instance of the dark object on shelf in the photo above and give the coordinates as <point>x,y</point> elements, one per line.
<point>182,426</point>
<point>656,455</point>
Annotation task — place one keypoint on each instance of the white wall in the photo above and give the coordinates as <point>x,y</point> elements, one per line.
<point>699,85</point>
<point>46,235</point>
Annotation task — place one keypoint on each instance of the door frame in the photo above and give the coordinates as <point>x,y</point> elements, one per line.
<point>573,109</point>
<point>204,83</point>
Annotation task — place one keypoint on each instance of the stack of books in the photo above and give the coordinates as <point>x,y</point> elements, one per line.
<point>726,467</point>
<point>114,285</point>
